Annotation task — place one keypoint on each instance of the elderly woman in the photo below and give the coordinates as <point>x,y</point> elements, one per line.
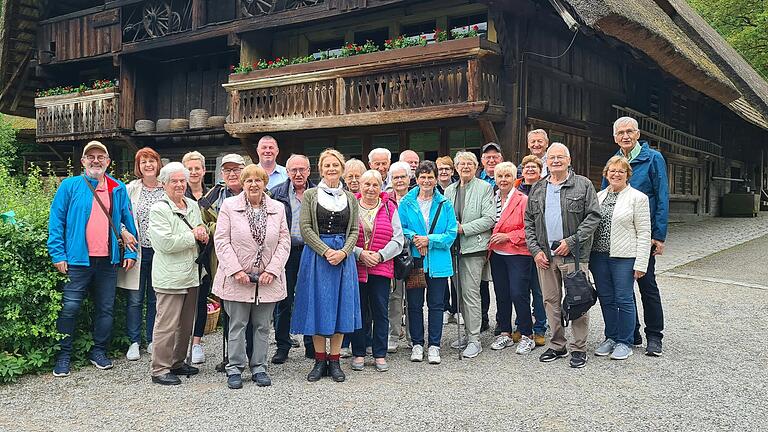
<point>380,240</point>
<point>353,169</point>
<point>511,262</point>
<point>175,228</point>
<point>399,180</point>
<point>143,192</point>
<point>620,251</point>
<point>327,302</point>
<point>429,223</point>
<point>444,173</point>
<point>475,209</point>
<point>252,245</point>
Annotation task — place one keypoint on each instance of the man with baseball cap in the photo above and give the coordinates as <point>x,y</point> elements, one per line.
<point>83,232</point>
<point>490,157</point>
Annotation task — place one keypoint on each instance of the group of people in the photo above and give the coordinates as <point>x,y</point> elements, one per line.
<point>347,261</point>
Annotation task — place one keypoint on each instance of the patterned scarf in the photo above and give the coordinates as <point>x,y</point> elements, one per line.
<point>257,221</point>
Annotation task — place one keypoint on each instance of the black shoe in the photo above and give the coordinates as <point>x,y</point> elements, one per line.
<point>334,370</point>
<point>654,348</point>
<point>318,371</point>
<point>235,381</point>
<point>309,353</point>
<point>261,379</point>
<point>280,356</point>
<point>552,355</point>
<point>578,359</point>
<point>485,326</point>
<point>167,379</point>
<point>185,369</point>
<point>497,330</point>
<point>638,340</point>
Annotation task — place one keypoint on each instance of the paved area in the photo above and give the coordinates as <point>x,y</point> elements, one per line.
<point>711,377</point>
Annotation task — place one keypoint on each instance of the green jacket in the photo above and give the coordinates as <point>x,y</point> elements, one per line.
<point>479,215</point>
<point>173,266</point>
<point>310,231</point>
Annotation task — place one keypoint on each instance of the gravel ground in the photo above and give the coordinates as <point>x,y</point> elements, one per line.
<point>709,378</point>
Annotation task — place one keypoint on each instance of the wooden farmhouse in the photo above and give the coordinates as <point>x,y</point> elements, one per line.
<point>216,75</point>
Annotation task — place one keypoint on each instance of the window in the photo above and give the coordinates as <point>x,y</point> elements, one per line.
<point>464,23</point>
<point>464,139</point>
<point>316,48</point>
<point>378,36</point>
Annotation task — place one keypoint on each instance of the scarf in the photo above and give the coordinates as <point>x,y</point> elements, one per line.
<point>332,199</point>
<point>257,221</point>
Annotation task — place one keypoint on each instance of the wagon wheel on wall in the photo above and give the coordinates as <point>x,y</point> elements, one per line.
<point>158,19</point>
<point>298,4</point>
<point>257,7</point>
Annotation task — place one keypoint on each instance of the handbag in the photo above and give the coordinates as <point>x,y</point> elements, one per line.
<point>120,244</point>
<point>417,279</point>
<point>403,263</point>
<point>580,293</point>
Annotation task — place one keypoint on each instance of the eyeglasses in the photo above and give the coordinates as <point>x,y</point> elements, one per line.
<point>100,158</point>
<point>557,157</point>
<point>298,170</point>
<point>627,132</point>
<point>617,171</point>
<point>448,169</point>
<point>531,167</point>
<point>228,171</point>
<point>491,157</point>
<point>400,177</point>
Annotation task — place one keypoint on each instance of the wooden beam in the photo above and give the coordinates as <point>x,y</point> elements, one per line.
<point>250,148</point>
<point>489,132</point>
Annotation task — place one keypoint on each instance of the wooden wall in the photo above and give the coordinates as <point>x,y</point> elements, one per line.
<point>80,37</point>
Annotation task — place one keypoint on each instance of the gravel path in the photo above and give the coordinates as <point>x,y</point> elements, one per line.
<point>711,377</point>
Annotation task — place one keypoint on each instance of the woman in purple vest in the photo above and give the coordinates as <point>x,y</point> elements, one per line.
<point>381,239</point>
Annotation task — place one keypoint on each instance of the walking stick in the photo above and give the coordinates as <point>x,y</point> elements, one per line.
<point>457,283</point>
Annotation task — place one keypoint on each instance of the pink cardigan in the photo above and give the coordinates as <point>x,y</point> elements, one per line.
<point>236,251</point>
<point>511,223</point>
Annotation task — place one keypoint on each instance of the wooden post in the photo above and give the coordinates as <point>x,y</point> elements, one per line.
<point>341,96</point>
<point>489,132</point>
<point>198,14</point>
<point>473,80</point>
<point>127,93</point>
<point>247,143</point>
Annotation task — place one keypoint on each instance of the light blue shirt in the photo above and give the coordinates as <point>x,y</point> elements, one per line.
<point>296,239</point>
<point>553,217</point>
<point>279,175</point>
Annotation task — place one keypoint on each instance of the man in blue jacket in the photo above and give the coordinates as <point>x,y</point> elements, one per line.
<point>649,176</point>
<point>83,244</point>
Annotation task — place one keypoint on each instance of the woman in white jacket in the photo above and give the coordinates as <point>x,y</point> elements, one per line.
<point>620,252</point>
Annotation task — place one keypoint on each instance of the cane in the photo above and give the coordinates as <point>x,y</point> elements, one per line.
<point>457,283</point>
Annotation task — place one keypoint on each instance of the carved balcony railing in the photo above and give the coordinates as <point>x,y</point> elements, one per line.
<point>444,80</point>
<point>87,115</point>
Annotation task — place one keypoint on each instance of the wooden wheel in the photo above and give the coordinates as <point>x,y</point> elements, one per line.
<point>298,4</point>
<point>158,19</point>
<point>257,7</point>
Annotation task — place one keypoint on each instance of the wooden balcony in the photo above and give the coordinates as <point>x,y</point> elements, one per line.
<point>456,78</point>
<point>78,116</point>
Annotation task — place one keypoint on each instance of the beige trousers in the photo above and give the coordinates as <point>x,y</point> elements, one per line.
<point>173,328</point>
<point>551,281</point>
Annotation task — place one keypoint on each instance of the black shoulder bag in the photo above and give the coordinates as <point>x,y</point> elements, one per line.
<point>120,245</point>
<point>200,246</point>
<point>580,294</point>
<point>417,278</point>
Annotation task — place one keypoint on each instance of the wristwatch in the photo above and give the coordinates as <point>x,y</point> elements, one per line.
<point>381,258</point>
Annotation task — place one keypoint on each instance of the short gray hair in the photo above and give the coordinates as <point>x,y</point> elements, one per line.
<point>297,156</point>
<point>622,120</point>
<point>537,132</point>
<point>172,168</point>
<point>354,163</point>
<point>402,155</point>
<point>193,155</point>
<point>465,155</point>
<point>559,145</point>
<point>372,173</point>
<point>379,150</point>
<point>397,166</point>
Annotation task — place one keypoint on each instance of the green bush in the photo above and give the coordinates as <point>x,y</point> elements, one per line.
<point>30,287</point>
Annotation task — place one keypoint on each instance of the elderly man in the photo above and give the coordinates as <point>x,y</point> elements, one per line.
<point>412,159</point>
<point>86,214</point>
<point>379,160</point>
<point>268,150</point>
<point>649,176</point>
<point>475,209</point>
<point>538,141</point>
<point>551,233</point>
<point>291,193</point>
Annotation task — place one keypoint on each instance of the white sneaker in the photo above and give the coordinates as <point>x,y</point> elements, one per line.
<point>149,348</point>
<point>447,317</point>
<point>346,353</point>
<point>525,346</point>
<point>459,343</point>
<point>198,355</point>
<point>133,352</point>
<point>433,355</point>
<point>392,345</point>
<point>501,342</point>
<point>417,353</point>
<point>460,319</point>
<point>472,350</point>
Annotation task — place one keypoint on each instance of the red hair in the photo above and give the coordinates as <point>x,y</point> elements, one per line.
<point>147,153</point>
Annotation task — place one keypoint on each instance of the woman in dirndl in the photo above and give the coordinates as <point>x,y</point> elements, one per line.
<point>327,303</point>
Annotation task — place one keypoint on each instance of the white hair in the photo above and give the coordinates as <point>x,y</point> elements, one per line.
<point>372,173</point>
<point>538,132</point>
<point>381,151</point>
<point>559,145</point>
<point>465,155</point>
<point>402,155</point>
<point>297,156</point>
<point>354,163</point>
<point>172,168</point>
<point>622,120</point>
<point>397,166</point>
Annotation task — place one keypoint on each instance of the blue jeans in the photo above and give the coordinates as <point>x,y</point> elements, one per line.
<point>374,304</point>
<point>615,281</point>
<point>101,277</point>
<point>435,294</point>
<point>135,304</point>
<point>540,325</point>
<point>511,281</point>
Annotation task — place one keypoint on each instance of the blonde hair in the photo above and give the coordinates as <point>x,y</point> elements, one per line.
<point>532,158</point>
<point>445,160</point>
<point>193,155</point>
<point>330,152</point>
<point>618,160</point>
<point>505,168</point>
<point>354,163</point>
<point>253,170</point>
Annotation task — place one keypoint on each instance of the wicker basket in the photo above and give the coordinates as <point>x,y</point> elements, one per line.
<point>163,125</point>
<point>216,121</point>
<point>145,126</point>
<point>178,125</point>
<point>212,320</point>
<point>198,119</point>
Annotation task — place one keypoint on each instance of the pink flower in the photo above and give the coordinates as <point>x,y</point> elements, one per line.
<point>475,27</point>
<point>269,62</point>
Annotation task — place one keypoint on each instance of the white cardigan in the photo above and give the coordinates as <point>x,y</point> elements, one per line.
<point>129,279</point>
<point>630,226</point>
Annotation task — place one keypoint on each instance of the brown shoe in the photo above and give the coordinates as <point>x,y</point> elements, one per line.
<point>539,339</point>
<point>516,336</point>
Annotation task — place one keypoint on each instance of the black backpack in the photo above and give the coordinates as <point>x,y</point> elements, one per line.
<point>580,293</point>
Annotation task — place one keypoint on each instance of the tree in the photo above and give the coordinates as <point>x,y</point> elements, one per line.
<point>743,23</point>
<point>9,153</point>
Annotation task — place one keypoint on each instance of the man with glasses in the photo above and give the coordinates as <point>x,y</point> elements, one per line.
<point>649,176</point>
<point>291,193</point>
<point>85,215</point>
<point>267,149</point>
<point>491,156</point>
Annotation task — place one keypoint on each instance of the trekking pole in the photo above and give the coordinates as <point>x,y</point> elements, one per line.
<point>457,284</point>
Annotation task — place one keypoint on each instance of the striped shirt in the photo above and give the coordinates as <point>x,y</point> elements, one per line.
<point>296,239</point>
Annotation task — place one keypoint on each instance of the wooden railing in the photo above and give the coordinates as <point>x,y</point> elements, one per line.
<point>92,114</point>
<point>444,80</point>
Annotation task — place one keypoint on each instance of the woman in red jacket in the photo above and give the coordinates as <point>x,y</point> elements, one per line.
<point>511,262</point>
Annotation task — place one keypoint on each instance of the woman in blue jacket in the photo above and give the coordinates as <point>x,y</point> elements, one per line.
<point>429,223</point>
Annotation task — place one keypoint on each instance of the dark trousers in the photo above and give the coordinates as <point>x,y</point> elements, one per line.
<point>615,283</point>
<point>284,308</point>
<point>450,302</point>
<point>485,302</point>
<point>540,315</point>
<point>435,292</point>
<point>134,307</point>
<point>202,306</point>
<point>101,277</point>
<point>511,281</point>
<point>653,314</point>
<point>374,304</point>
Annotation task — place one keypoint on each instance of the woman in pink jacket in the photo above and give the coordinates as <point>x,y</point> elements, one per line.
<point>511,262</point>
<point>252,244</point>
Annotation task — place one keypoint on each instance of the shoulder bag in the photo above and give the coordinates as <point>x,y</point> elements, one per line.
<point>580,293</point>
<point>417,278</point>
